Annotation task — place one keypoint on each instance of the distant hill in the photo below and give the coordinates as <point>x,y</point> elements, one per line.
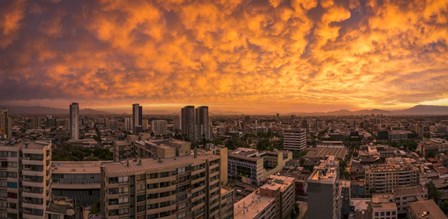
<point>42,110</point>
<point>416,110</point>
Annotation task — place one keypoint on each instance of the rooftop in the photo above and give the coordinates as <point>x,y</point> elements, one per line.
<point>251,205</point>
<point>118,168</point>
<point>64,167</point>
<point>427,208</point>
<point>278,183</point>
<point>409,190</point>
<point>326,171</point>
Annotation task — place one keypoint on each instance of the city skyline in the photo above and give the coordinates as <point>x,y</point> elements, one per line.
<point>242,56</point>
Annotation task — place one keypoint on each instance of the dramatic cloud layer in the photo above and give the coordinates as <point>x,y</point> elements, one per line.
<point>261,56</point>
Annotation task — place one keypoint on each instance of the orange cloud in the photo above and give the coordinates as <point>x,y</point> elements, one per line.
<point>248,55</point>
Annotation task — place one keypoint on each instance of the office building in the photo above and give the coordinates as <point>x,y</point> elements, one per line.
<point>25,179</point>
<point>294,140</point>
<point>176,123</point>
<point>159,127</point>
<point>5,124</point>
<point>253,167</point>
<point>137,118</point>
<point>396,172</point>
<point>179,187</point>
<point>275,199</point>
<point>188,123</point>
<point>202,123</point>
<point>79,180</point>
<point>324,194</point>
<point>74,121</point>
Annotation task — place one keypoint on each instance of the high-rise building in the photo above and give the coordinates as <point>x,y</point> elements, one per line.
<point>159,127</point>
<point>294,140</point>
<point>323,190</point>
<point>188,123</point>
<point>25,179</point>
<point>202,123</point>
<point>177,187</point>
<point>137,117</point>
<point>5,124</point>
<point>176,123</point>
<point>74,121</point>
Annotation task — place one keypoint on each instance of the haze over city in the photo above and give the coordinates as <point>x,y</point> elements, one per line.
<point>241,56</point>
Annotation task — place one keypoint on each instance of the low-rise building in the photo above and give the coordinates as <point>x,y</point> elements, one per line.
<point>427,209</point>
<point>275,199</point>
<point>251,166</point>
<point>405,195</point>
<point>383,207</point>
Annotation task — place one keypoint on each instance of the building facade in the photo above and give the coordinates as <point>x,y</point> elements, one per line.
<point>178,187</point>
<point>294,140</point>
<point>324,193</point>
<point>25,184</point>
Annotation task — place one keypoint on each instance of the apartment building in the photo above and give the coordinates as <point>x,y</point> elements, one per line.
<point>227,199</point>
<point>324,192</point>
<point>176,187</point>
<point>253,167</point>
<point>79,180</point>
<point>275,199</point>
<point>405,195</point>
<point>383,207</point>
<point>30,164</point>
<point>396,172</point>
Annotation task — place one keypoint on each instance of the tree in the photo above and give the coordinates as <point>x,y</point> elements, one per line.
<point>444,206</point>
<point>264,145</point>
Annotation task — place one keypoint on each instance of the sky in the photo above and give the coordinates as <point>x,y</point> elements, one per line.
<point>254,56</point>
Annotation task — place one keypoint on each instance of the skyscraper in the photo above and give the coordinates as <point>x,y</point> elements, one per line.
<point>188,123</point>
<point>202,123</point>
<point>74,121</point>
<point>137,116</point>
<point>5,124</point>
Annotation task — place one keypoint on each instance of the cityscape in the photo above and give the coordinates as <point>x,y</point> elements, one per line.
<point>224,109</point>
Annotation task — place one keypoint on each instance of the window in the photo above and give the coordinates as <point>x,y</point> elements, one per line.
<point>164,174</point>
<point>123,200</point>
<point>123,179</point>
<point>12,185</point>
<point>153,175</point>
<point>141,198</point>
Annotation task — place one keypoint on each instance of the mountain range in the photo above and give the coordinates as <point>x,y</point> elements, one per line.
<point>416,110</point>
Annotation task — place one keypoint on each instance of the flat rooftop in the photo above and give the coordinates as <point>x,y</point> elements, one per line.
<point>122,167</point>
<point>322,152</point>
<point>278,183</point>
<point>251,205</point>
<point>426,208</point>
<point>77,167</point>
<point>409,190</point>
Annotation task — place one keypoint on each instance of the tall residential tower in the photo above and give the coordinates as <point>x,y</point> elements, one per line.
<point>202,123</point>
<point>74,121</point>
<point>188,123</point>
<point>137,117</point>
